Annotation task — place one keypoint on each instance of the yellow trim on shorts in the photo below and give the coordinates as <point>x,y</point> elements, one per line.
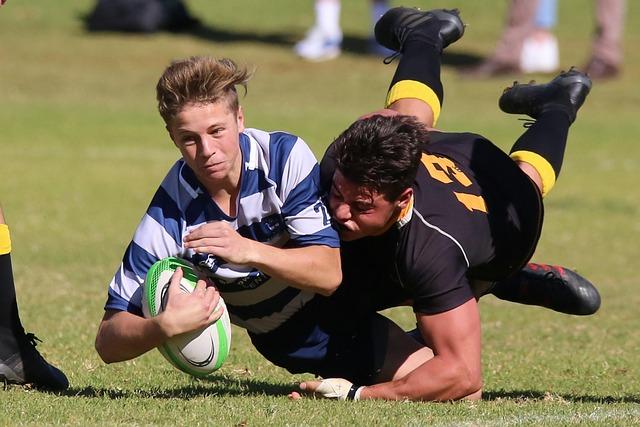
<point>417,90</point>
<point>540,164</point>
<point>5,239</point>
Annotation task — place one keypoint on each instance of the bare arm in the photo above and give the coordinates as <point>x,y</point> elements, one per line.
<point>123,335</point>
<point>315,268</point>
<point>455,370</point>
<point>416,108</point>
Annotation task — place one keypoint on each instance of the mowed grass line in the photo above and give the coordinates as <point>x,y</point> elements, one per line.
<point>83,151</point>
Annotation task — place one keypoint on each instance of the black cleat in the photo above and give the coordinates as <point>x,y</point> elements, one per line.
<point>566,92</point>
<point>27,366</point>
<point>398,23</point>
<point>550,286</point>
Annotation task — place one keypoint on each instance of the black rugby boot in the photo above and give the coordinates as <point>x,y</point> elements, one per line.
<point>566,92</point>
<point>399,23</point>
<point>27,366</point>
<point>550,286</point>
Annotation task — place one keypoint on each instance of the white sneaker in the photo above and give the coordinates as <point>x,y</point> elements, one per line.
<point>540,54</point>
<point>318,46</point>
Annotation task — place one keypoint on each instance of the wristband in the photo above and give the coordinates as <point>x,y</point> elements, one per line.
<point>354,392</point>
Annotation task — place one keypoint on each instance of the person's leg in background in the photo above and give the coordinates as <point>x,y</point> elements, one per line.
<point>378,8</point>
<point>540,53</point>
<point>505,59</point>
<point>20,362</point>
<point>606,51</point>
<point>324,40</point>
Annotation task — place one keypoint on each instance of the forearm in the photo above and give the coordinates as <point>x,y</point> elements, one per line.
<point>124,336</point>
<point>438,379</point>
<point>314,268</point>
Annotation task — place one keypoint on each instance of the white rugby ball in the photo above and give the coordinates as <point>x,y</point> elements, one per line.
<point>197,353</point>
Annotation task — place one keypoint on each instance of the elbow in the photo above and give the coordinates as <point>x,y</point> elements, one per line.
<point>331,285</point>
<point>102,351</point>
<point>468,384</point>
<point>103,348</point>
<point>332,274</point>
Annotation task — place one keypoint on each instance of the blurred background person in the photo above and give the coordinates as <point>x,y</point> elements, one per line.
<point>324,40</point>
<point>520,27</point>
<point>527,44</point>
<point>20,362</point>
<point>606,51</point>
<point>540,53</point>
<point>140,16</point>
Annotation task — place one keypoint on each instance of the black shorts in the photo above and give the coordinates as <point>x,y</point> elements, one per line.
<point>328,349</point>
<point>526,214</point>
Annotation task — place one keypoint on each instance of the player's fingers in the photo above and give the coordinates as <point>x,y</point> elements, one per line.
<point>209,229</point>
<point>211,298</point>
<point>174,284</point>
<point>294,395</point>
<point>216,314</point>
<point>201,287</point>
<point>309,386</point>
<point>206,244</point>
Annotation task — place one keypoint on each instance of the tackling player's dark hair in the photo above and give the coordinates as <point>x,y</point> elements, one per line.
<point>381,153</point>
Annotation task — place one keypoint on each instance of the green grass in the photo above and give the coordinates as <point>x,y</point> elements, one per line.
<point>82,150</point>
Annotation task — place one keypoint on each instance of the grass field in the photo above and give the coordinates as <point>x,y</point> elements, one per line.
<point>82,149</point>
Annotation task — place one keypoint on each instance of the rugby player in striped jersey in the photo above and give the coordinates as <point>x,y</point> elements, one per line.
<point>242,204</point>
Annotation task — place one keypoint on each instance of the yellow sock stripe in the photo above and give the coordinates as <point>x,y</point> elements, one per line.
<point>5,239</point>
<point>413,89</point>
<point>540,164</point>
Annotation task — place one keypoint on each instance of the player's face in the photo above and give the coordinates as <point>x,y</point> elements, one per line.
<point>360,212</point>
<point>207,135</point>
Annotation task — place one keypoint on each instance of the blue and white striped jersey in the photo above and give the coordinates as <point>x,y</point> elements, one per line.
<point>279,203</point>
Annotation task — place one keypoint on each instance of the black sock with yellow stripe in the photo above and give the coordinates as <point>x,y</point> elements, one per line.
<point>418,75</point>
<point>543,146</point>
<point>9,319</point>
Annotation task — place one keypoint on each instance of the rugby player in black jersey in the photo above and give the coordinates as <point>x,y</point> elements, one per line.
<point>433,220</point>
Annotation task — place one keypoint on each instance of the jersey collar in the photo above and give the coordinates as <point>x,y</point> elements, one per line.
<point>406,214</point>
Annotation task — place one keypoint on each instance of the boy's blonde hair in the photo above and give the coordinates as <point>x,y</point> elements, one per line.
<point>199,80</point>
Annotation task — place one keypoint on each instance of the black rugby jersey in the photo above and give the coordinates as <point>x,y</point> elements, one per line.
<point>475,215</point>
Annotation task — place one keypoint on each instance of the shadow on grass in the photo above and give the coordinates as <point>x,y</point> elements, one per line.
<point>216,385</point>
<point>352,44</point>
<point>528,395</point>
<point>223,386</point>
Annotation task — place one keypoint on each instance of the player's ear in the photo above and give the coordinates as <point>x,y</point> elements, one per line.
<point>240,118</point>
<point>405,198</point>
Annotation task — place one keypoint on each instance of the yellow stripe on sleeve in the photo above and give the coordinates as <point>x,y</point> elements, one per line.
<point>417,90</point>
<point>544,168</point>
<point>5,239</point>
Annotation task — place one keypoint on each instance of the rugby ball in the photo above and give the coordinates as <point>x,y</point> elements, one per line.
<point>197,353</point>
